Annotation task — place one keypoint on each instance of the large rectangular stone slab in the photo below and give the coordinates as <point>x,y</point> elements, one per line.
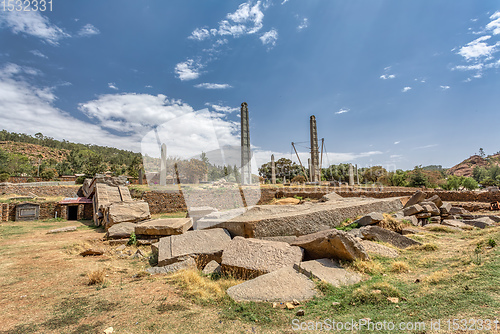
<point>380,234</point>
<point>328,271</point>
<point>164,227</point>
<point>202,245</point>
<point>282,220</point>
<point>333,244</point>
<point>283,285</point>
<point>127,212</point>
<point>246,258</point>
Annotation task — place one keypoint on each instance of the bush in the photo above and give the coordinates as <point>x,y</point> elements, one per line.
<point>470,184</point>
<point>4,177</point>
<point>80,179</point>
<point>299,179</point>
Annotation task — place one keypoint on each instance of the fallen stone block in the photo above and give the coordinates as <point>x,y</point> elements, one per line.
<point>423,215</point>
<point>328,271</point>
<point>456,210</point>
<point>416,198</point>
<point>278,220</point>
<point>436,200</point>
<point>198,212</point>
<point>411,219</point>
<point>378,249</point>
<point>480,222</point>
<point>370,219</point>
<point>202,245</point>
<point>453,223</point>
<point>131,212</point>
<point>282,286</point>
<point>212,267</point>
<point>189,263</point>
<point>431,208</point>
<point>247,258</point>
<point>286,238</point>
<point>63,229</point>
<point>334,244</point>
<point>435,220</point>
<point>445,208</point>
<point>380,234</point>
<point>409,230</point>
<point>120,231</point>
<point>412,210</point>
<point>92,252</point>
<point>287,201</point>
<point>163,227</point>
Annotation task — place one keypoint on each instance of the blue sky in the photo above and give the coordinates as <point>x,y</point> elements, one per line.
<point>392,83</point>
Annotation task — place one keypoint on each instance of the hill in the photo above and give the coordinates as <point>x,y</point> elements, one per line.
<point>466,167</point>
<point>33,151</point>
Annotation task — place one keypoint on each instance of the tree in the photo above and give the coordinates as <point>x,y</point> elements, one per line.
<point>481,153</point>
<point>418,178</point>
<point>372,174</point>
<point>470,184</point>
<point>193,170</point>
<point>299,179</point>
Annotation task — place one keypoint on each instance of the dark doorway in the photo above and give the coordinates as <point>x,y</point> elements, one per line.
<point>73,212</point>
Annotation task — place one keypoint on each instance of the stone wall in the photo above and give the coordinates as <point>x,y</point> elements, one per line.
<point>24,179</point>
<point>41,191</point>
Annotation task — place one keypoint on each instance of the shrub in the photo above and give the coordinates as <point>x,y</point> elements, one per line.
<point>4,177</point>
<point>299,179</point>
<point>96,276</point>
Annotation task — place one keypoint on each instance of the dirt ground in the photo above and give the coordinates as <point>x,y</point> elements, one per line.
<point>44,287</point>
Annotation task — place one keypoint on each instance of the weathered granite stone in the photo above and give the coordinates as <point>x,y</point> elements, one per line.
<point>212,267</point>
<point>328,271</point>
<point>333,244</point>
<point>246,258</point>
<point>378,249</point>
<point>164,227</point>
<point>410,230</point>
<point>131,212</point>
<point>370,219</point>
<point>416,198</point>
<point>436,200</point>
<point>188,263</point>
<point>435,219</point>
<point>445,208</point>
<point>120,231</point>
<point>380,234</point>
<point>92,252</point>
<point>480,222</point>
<point>453,223</point>
<point>282,285</point>
<point>456,210</point>
<point>63,229</point>
<point>412,210</point>
<point>333,196</point>
<point>202,245</point>
<point>431,208</point>
<point>423,215</point>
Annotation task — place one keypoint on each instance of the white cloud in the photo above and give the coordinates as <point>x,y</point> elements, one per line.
<point>148,86</point>
<point>200,34</point>
<point>188,70</point>
<point>284,2</point>
<point>247,19</point>
<point>396,142</point>
<point>304,24</point>
<point>405,89</point>
<point>221,108</point>
<point>112,85</point>
<point>494,25</point>
<point>29,109</point>
<point>270,37</point>
<point>387,76</point>
<point>207,85</point>
<point>38,54</point>
<point>469,67</point>
<point>478,49</point>
<point>343,110</point>
<point>424,147</point>
<point>88,30</point>
<point>32,23</point>
<point>444,87</point>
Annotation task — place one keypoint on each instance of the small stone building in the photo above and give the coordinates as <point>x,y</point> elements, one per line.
<point>76,208</point>
<point>27,211</point>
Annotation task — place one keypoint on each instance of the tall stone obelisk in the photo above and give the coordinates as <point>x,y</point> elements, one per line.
<point>246,171</point>
<point>163,165</point>
<point>351,175</point>
<point>315,171</point>
<point>273,170</point>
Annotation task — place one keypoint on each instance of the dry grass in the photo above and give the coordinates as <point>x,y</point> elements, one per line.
<point>442,228</point>
<point>201,287</point>
<point>96,276</point>
<point>428,247</point>
<point>367,267</point>
<point>437,276</point>
<point>390,223</point>
<point>375,293</point>
<point>400,267</point>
